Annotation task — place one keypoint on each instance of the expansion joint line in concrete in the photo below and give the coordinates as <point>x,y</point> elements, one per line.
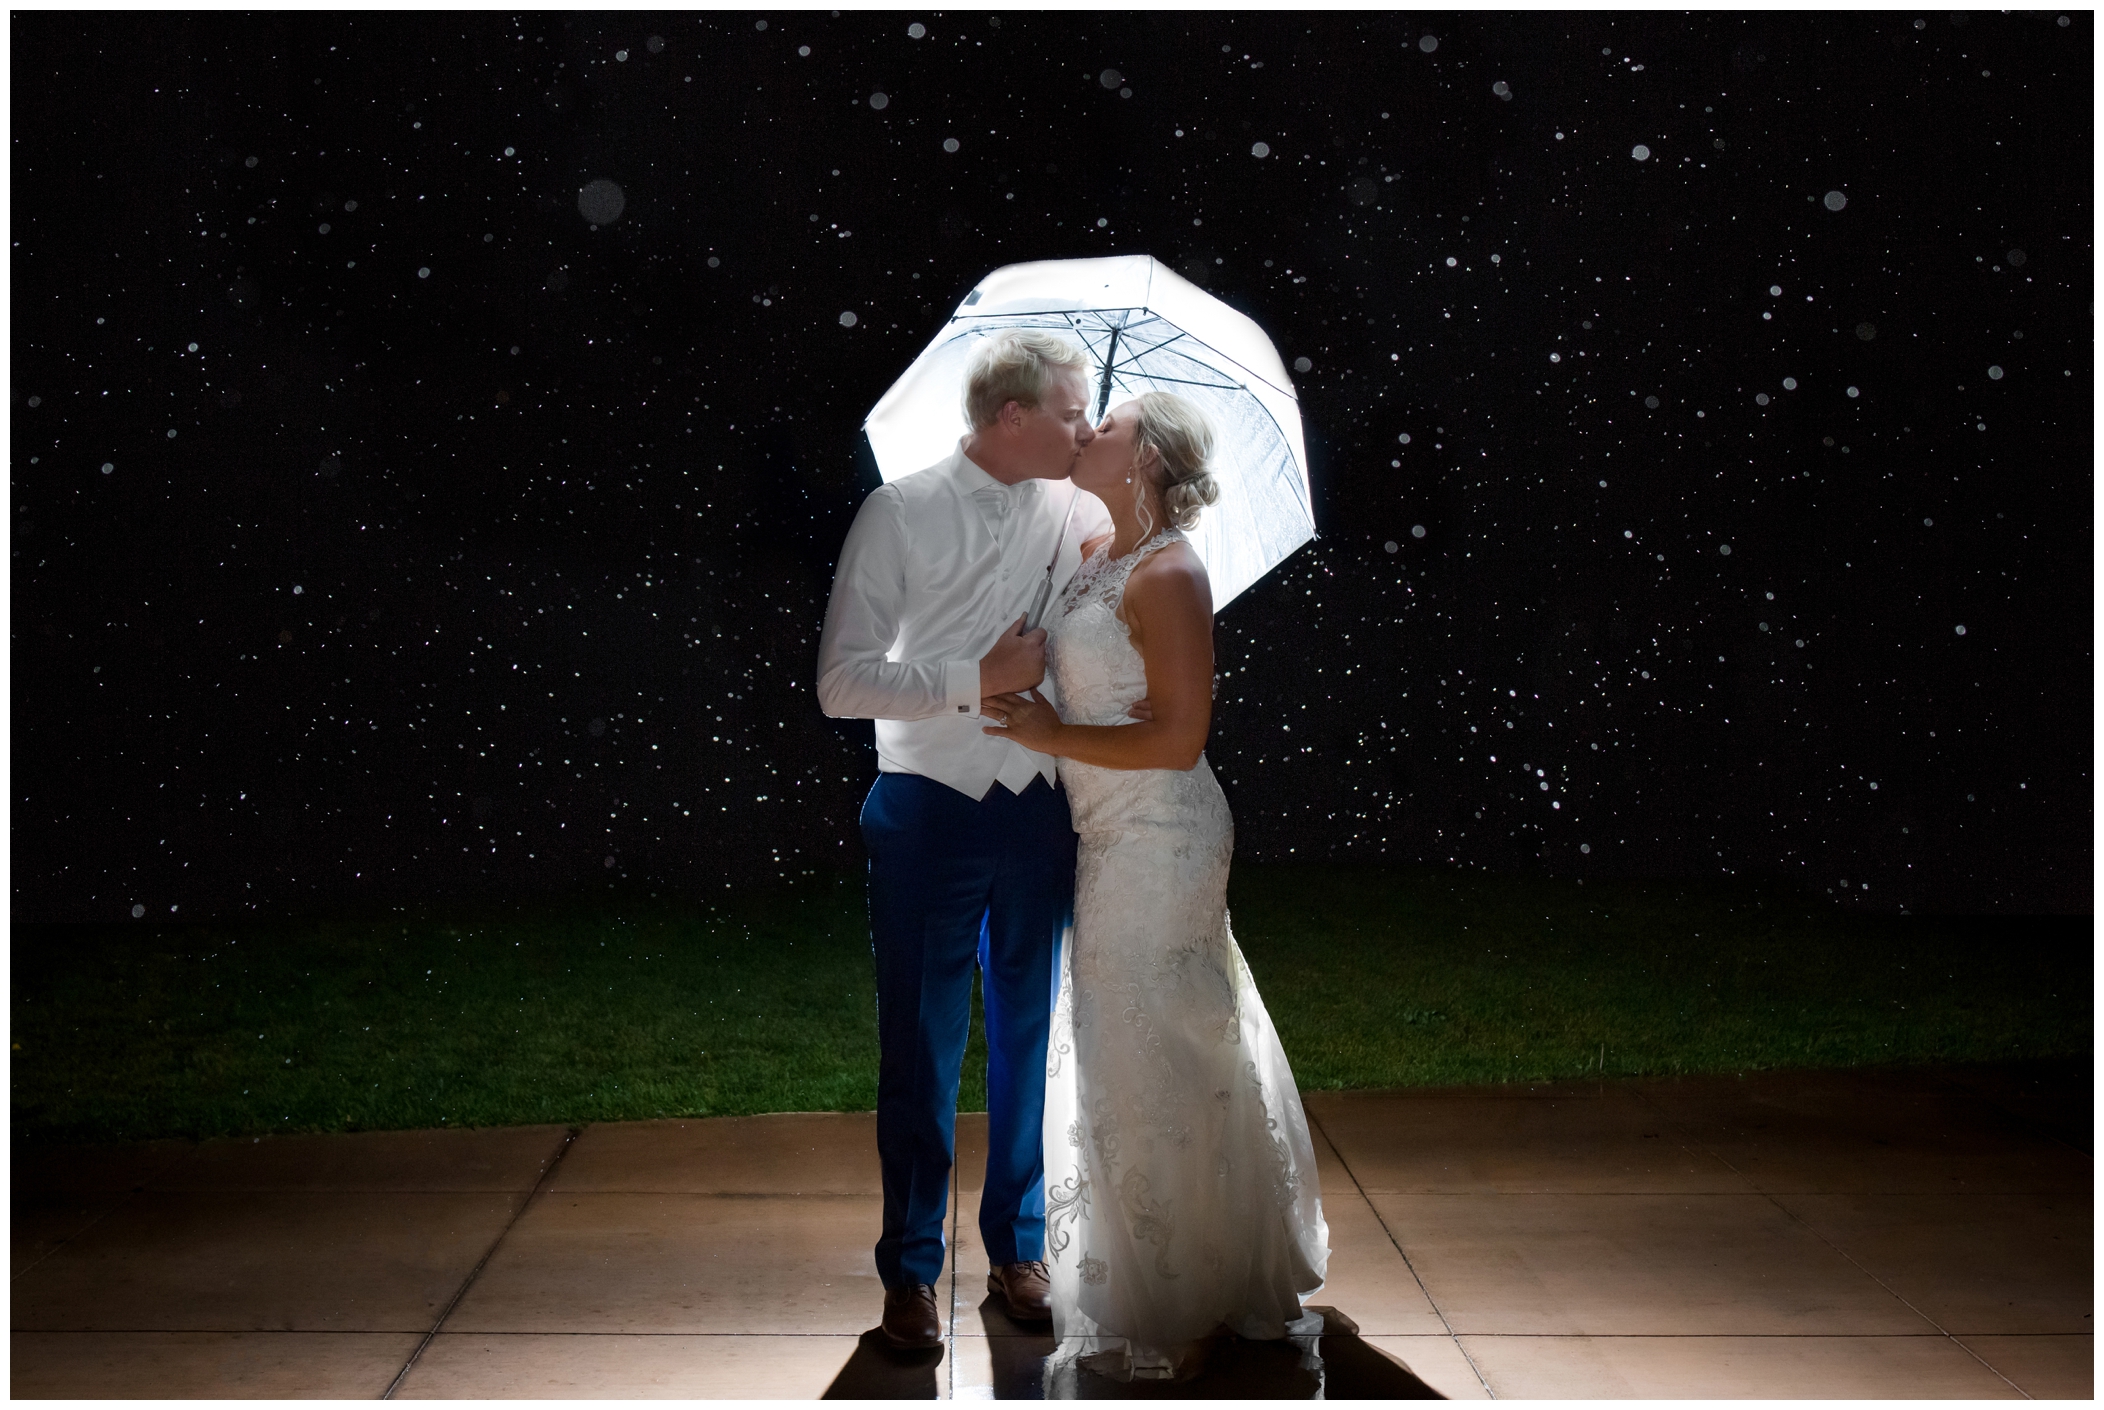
<point>1792,1216</point>
<point>548,1173</point>
<point>1397,1245</point>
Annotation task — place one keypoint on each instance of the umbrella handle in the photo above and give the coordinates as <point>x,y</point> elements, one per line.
<point>1039,604</point>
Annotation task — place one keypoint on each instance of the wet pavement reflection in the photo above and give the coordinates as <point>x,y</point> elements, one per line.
<point>1336,1365</point>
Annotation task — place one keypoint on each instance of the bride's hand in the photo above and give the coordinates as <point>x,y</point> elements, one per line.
<point>1031,723</point>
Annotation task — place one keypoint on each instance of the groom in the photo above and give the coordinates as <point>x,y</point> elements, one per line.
<point>971,850</point>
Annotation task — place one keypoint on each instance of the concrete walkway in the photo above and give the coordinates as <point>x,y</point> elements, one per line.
<point>1922,1234</point>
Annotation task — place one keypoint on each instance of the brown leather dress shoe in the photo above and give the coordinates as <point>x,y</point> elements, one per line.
<point>1026,1287</point>
<point>910,1320</point>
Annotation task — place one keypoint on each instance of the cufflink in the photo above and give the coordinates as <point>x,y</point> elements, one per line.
<point>963,710</point>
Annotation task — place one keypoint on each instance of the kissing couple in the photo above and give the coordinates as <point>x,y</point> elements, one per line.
<point>1043,810</point>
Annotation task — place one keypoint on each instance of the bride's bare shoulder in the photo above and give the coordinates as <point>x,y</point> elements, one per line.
<point>1174,570</point>
<point>1089,546</point>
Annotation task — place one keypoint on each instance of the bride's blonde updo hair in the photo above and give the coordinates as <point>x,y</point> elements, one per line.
<point>1182,439</point>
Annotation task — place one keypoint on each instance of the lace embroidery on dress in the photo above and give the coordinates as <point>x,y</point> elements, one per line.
<point>1102,578</point>
<point>1167,1091</point>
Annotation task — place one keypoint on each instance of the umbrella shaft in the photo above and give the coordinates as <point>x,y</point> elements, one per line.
<point>1103,388</point>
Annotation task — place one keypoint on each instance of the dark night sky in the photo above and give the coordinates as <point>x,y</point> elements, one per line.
<point>386,533</point>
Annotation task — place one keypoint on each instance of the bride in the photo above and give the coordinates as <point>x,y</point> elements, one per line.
<point>1180,1189</point>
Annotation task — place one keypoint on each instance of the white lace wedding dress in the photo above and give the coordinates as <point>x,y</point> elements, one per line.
<point>1180,1188</point>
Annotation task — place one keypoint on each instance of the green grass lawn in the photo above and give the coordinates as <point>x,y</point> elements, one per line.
<point>1375,978</point>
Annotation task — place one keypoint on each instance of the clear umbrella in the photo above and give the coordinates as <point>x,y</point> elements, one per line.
<point>1147,329</point>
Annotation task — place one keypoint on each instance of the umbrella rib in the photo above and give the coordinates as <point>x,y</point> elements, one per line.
<point>1175,335</point>
<point>1127,370</point>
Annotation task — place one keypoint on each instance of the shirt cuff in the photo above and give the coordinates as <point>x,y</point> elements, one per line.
<point>960,687</point>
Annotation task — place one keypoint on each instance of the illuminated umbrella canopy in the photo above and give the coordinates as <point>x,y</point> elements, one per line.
<point>1146,329</point>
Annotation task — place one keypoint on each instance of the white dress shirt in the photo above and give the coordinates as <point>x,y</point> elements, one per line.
<point>937,565</point>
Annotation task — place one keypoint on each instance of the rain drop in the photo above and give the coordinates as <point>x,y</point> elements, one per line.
<point>1417,531</point>
<point>601,202</point>
<point>1640,152</point>
<point>1101,222</point>
<point>1789,384</point>
<point>1429,43</point>
<point>423,272</point>
<point>250,163</point>
<point>1391,546</point>
<point>1855,391</point>
<point>1961,629</point>
<point>880,101</point>
<point>193,347</point>
<point>107,467</point>
<point>848,319</point>
<point>1451,261</point>
<point>1260,150</point>
<point>1866,331</point>
<point>1760,398</point>
<point>715,261</point>
<point>39,401</point>
<point>951,144</point>
<point>2016,259</point>
<point>297,590</point>
<point>1404,438</point>
<point>1651,402</point>
<point>510,151</point>
<point>1110,78</point>
<point>138,911</point>
<point>1587,847</point>
<point>1502,89</point>
<point>1775,290</point>
<point>620,56</point>
<point>916,30</point>
<point>1725,549</point>
<point>1994,373</point>
<point>1835,200</point>
<point>1301,364</point>
<point>655,44</point>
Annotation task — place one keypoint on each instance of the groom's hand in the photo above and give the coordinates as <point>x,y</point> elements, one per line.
<point>1016,663</point>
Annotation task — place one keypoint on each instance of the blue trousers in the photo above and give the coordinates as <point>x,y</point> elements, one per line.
<point>954,883</point>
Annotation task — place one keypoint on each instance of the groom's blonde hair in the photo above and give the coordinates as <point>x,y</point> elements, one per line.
<point>1016,366</point>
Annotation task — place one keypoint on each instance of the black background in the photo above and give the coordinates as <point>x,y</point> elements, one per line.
<point>478,553</point>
